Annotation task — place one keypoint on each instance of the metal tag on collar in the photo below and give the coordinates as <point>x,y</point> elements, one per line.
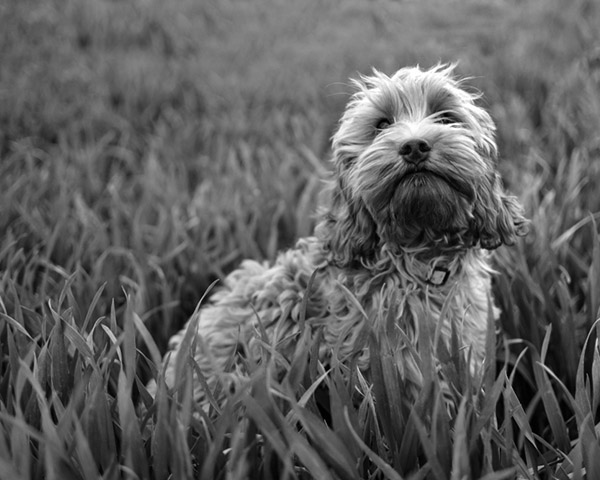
<point>438,276</point>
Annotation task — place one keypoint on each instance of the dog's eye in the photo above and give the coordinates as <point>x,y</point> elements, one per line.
<point>383,123</point>
<point>445,118</point>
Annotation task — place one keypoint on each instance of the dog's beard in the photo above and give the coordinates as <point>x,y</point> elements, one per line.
<point>417,207</point>
<point>427,208</point>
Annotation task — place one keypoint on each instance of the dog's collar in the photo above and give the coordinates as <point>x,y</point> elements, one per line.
<point>433,273</point>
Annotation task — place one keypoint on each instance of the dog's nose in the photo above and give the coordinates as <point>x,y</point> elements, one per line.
<point>415,151</point>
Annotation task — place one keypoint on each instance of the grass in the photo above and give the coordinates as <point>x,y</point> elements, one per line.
<point>147,147</point>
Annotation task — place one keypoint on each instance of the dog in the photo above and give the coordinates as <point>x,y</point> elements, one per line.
<point>415,206</point>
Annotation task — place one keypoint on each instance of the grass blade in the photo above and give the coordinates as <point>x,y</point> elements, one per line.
<point>385,468</point>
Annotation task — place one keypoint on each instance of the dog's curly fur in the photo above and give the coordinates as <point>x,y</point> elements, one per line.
<point>416,203</point>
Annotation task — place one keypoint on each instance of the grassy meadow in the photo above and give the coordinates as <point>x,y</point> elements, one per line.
<point>147,146</point>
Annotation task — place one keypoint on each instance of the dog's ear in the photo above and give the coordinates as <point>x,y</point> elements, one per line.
<point>499,217</point>
<point>347,229</point>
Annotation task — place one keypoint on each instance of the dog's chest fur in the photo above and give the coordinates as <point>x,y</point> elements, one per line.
<point>391,298</point>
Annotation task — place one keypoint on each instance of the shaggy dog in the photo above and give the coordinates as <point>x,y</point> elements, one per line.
<point>416,204</point>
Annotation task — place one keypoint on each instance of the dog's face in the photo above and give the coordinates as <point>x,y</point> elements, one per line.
<point>416,164</point>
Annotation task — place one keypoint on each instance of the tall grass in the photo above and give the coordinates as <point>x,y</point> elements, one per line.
<point>146,147</point>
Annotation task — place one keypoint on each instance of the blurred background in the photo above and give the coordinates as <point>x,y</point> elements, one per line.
<point>146,146</point>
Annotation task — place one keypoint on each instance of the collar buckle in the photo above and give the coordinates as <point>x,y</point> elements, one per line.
<point>438,276</point>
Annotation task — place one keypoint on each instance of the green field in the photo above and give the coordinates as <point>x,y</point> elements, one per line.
<point>147,146</point>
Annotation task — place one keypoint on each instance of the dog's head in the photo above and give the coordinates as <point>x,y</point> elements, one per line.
<point>415,159</point>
